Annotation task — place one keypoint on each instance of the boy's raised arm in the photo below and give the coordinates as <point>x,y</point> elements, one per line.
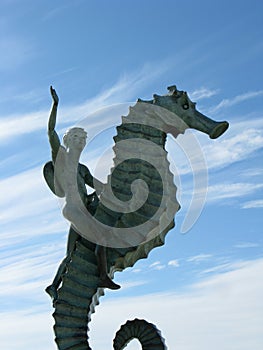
<point>52,135</point>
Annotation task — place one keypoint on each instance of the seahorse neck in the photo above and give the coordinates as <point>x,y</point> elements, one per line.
<point>141,123</point>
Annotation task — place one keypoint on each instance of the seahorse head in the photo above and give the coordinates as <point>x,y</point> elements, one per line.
<point>179,103</point>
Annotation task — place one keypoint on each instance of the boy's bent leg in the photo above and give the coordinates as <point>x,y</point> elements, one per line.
<point>52,289</point>
<point>105,280</point>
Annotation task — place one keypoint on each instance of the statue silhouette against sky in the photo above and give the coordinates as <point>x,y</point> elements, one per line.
<point>129,235</point>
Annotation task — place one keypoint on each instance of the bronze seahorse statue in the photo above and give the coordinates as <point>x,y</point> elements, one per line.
<point>128,235</point>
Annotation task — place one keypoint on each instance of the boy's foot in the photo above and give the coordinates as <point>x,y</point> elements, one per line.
<point>106,282</point>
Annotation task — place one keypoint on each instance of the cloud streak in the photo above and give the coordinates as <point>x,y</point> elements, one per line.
<point>174,263</point>
<point>235,148</point>
<point>240,142</point>
<point>226,103</point>
<point>257,203</point>
<point>245,245</point>
<point>202,93</point>
<point>225,191</point>
<point>29,198</point>
<point>199,258</point>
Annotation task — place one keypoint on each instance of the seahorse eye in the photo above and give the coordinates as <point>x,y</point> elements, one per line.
<point>186,106</point>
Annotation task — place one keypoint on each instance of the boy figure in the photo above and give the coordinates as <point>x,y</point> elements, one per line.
<point>74,141</point>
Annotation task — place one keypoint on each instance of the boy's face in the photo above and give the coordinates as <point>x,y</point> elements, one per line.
<point>77,140</point>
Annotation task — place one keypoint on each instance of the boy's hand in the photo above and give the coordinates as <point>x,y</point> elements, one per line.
<point>54,95</point>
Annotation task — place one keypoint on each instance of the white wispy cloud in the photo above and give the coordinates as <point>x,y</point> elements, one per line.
<point>225,267</point>
<point>128,285</point>
<point>202,93</point>
<point>136,270</point>
<point>246,245</point>
<point>29,198</point>
<point>194,152</point>
<point>29,210</point>
<point>257,203</point>
<point>200,257</point>
<point>24,277</point>
<point>18,231</point>
<point>174,263</point>
<point>14,125</point>
<point>236,100</point>
<point>231,190</point>
<point>157,265</point>
<point>13,96</point>
<point>35,329</point>
<point>254,172</point>
<point>239,143</point>
<point>234,148</point>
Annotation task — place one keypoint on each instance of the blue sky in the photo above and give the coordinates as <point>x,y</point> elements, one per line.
<point>203,289</point>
